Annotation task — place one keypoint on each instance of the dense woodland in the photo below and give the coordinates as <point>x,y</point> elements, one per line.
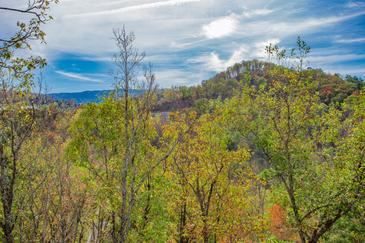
<point>263,152</point>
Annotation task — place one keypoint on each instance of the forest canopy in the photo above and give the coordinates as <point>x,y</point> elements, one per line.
<point>266,151</point>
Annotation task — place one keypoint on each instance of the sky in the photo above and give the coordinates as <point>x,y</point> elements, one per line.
<point>188,41</point>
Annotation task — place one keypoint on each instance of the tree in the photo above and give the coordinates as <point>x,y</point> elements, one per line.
<point>17,110</point>
<point>52,203</point>
<point>307,144</point>
<point>281,56</point>
<point>35,15</point>
<point>212,183</point>
<point>136,115</point>
<point>115,141</point>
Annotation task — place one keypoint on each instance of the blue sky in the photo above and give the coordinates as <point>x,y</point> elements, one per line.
<point>188,41</point>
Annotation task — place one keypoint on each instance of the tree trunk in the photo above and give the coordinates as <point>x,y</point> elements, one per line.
<point>205,231</point>
<point>8,223</point>
<point>6,186</point>
<point>182,223</point>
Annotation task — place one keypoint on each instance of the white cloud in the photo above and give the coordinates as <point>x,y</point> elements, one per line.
<point>134,8</point>
<point>212,61</point>
<point>228,25</point>
<point>211,34</point>
<point>98,59</point>
<point>257,12</point>
<point>310,24</point>
<point>260,47</point>
<point>221,27</point>
<point>354,40</point>
<point>281,29</point>
<point>328,20</point>
<point>158,30</point>
<point>77,76</point>
<point>110,58</point>
<point>176,77</point>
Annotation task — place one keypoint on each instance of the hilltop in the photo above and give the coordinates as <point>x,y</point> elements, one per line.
<point>331,87</point>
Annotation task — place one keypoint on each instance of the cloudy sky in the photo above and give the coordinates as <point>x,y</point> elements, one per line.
<point>189,40</point>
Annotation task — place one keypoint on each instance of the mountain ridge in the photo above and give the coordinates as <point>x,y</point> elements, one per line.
<point>88,96</point>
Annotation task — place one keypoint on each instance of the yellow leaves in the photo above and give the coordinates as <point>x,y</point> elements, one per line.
<point>308,144</point>
<point>41,35</point>
<point>206,172</point>
<point>18,45</point>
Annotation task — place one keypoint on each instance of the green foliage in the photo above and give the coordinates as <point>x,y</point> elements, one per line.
<point>212,183</point>
<point>261,152</point>
<point>331,88</point>
<point>307,145</point>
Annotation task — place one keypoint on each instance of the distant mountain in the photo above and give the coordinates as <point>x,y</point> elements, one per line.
<point>84,97</point>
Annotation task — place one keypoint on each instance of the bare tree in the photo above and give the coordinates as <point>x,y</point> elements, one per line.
<point>127,62</point>
<point>137,164</point>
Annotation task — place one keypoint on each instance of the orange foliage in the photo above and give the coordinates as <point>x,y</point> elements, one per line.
<point>278,222</point>
<point>326,91</point>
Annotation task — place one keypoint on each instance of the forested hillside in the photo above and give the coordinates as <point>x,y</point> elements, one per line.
<point>331,87</point>
<point>264,152</point>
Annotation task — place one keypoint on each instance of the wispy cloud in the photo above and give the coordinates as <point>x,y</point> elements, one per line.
<point>354,40</point>
<point>309,24</point>
<point>347,70</point>
<point>333,19</point>
<point>134,8</point>
<point>77,76</point>
<point>98,59</point>
<point>336,58</point>
<point>355,4</point>
<point>257,12</point>
<point>212,61</point>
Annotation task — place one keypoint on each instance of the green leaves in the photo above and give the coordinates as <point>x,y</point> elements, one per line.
<point>311,148</point>
<point>10,61</point>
